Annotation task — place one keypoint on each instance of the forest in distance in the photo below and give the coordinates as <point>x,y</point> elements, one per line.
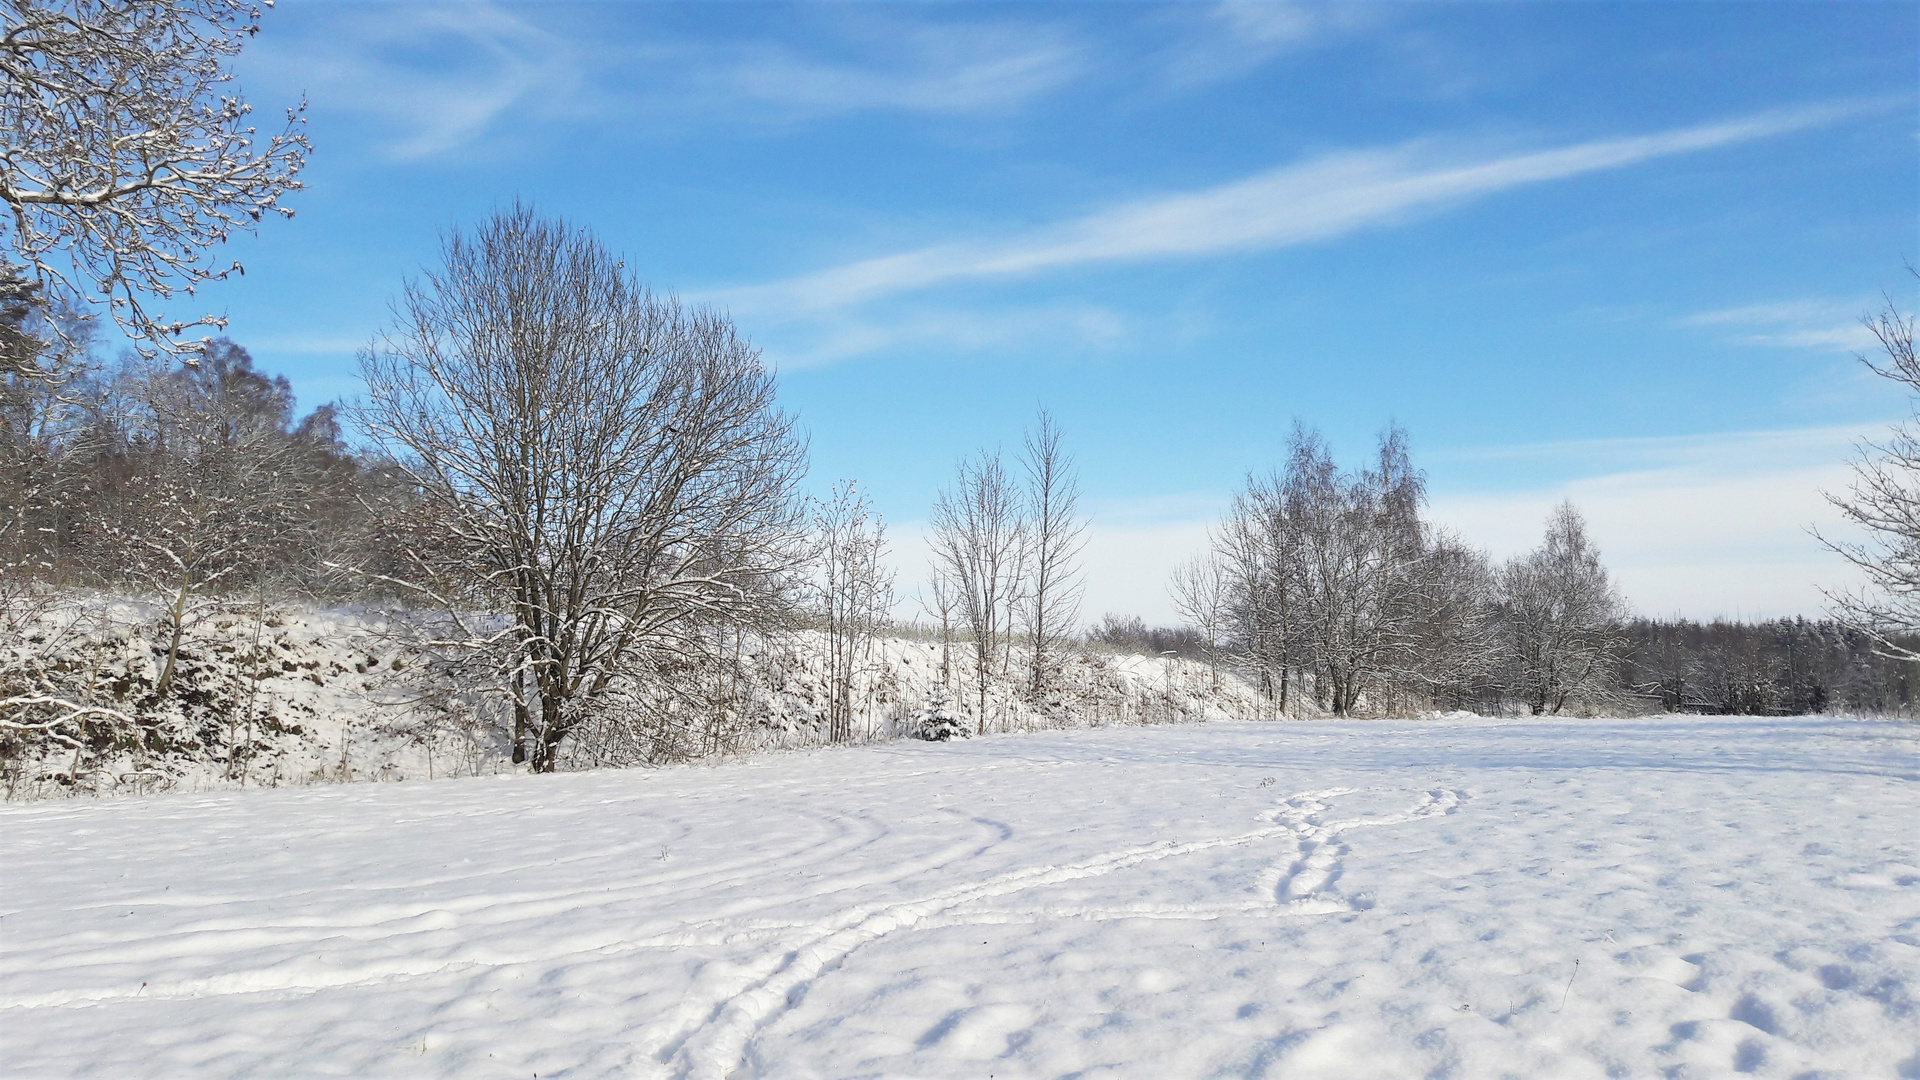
<point>585,541</point>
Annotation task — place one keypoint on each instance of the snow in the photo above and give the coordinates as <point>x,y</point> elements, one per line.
<point>313,696</point>
<point>1676,896</point>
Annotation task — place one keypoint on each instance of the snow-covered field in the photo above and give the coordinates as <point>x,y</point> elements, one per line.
<point>1468,898</point>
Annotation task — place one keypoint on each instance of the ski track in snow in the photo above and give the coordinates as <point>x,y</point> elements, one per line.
<point>713,1048</point>
<point>1669,897</point>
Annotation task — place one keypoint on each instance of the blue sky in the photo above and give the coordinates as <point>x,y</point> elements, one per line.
<point>1616,252</point>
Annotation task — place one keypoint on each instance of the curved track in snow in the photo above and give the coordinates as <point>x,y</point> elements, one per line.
<point>1675,896</point>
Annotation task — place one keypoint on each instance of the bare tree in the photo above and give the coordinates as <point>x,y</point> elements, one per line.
<point>610,467</point>
<point>192,532</point>
<point>939,604</point>
<point>128,156</point>
<point>1562,618</point>
<point>1361,546</point>
<point>1323,571</point>
<point>1458,647</point>
<point>49,696</point>
<point>853,594</point>
<point>1200,591</point>
<point>1256,553</point>
<point>1885,502</point>
<point>210,489</point>
<point>1056,536</point>
<point>980,545</point>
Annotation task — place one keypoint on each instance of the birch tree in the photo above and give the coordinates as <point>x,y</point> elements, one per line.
<point>1057,535</point>
<point>1562,618</point>
<point>1324,570</point>
<point>611,468</point>
<point>853,594</point>
<point>127,156</point>
<point>1458,650</point>
<point>1254,547</point>
<point>980,546</point>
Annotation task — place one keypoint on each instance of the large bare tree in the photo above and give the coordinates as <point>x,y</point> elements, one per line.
<point>610,467</point>
<point>1327,575</point>
<point>127,155</point>
<point>1361,552</point>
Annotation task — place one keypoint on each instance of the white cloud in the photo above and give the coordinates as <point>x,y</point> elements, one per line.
<point>1235,37</point>
<point>1700,525</point>
<point>1315,200</point>
<point>896,67</point>
<point>1731,451</point>
<point>1126,565</point>
<point>1825,324</point>
<point>1685,541</point>
<point>438,76</point>
<point>441,77</point>
<point>1068,329</point>
<point>304,344</point>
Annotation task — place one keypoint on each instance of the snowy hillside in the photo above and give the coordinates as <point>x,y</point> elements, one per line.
<point>297,697</point>
<point>1683,897</point>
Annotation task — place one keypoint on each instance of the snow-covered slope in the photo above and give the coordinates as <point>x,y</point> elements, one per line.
<point>296,696</point>
<point>1670,896</point>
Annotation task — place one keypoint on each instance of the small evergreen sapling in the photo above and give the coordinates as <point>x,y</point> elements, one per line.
<point>935,721</point>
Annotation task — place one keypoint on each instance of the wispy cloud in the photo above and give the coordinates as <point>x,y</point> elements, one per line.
<point>1069,329</point>
<point>896,67</point>
<point>1831,325</point>
<point>1232,38</point>
<point>442,77</point>
<point>1316,200</point>
<point>1720,451</point>
<point>436,76</point>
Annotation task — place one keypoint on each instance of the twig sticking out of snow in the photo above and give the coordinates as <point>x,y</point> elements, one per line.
<point>1569,989</point>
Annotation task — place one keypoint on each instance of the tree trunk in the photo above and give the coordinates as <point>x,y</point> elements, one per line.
<point>179,614</point>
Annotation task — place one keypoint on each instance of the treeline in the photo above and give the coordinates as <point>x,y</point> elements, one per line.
<point>1783,667</point>
<point>191,486</point>
<point>585,500</point>
<point>147,474</point>
<point>1328,589</point>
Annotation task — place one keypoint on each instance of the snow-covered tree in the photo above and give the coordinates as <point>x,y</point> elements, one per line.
<point>1200,596</point>
<point>1561,617</point>
<point>1884,502</point>
<point>609,469</point>
<point>936,720</point>
<point>853,594</point>
<point>127,156</point>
